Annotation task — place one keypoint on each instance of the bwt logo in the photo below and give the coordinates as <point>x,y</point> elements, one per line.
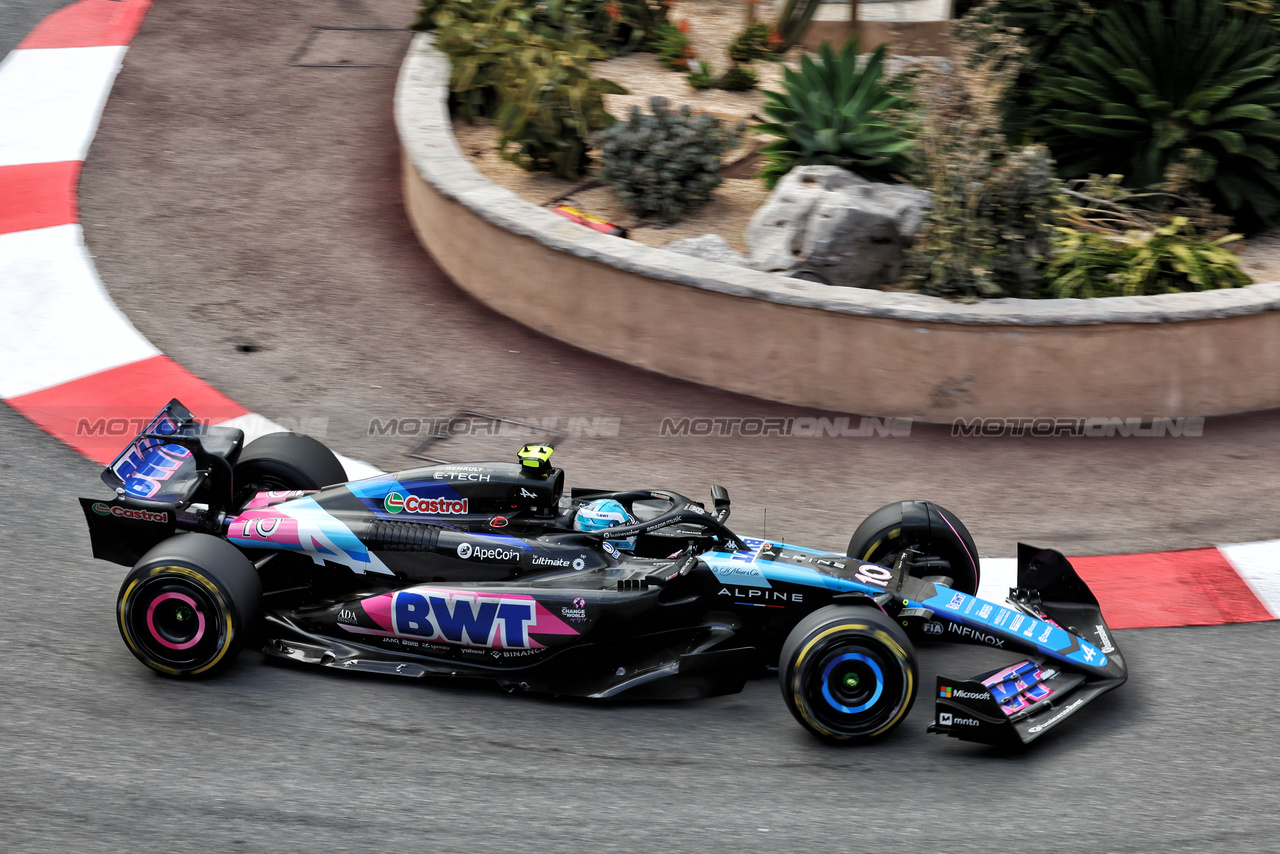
<point>461,618</point>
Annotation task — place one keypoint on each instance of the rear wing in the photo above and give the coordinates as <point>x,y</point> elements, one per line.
<point>175,462</point>
<point>151,468</point>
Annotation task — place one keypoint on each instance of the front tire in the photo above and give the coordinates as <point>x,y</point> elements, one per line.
<point>848,673</point>
<point>924,526</point>
<point>284,461</point>
<point>189,605</point>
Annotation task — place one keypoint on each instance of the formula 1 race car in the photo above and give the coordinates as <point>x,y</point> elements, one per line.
<point>478,570</point>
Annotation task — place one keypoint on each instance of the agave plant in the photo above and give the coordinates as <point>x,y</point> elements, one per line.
<point>837,111</point>
<point>1151,82</point>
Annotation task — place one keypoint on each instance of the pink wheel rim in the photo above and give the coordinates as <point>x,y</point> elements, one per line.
<point>155,633</point>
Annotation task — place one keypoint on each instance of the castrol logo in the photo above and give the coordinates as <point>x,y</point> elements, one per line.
<point>397,503</point>
<point>129,513</point>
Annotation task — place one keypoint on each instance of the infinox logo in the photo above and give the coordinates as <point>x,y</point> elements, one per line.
<point>129,513</point>
<point>397,503</point>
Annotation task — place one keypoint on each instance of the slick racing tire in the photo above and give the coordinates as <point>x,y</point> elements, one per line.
<point>189,605</point>
<point>848,673</point>
<point>931,530</point>
<point>284,461</point>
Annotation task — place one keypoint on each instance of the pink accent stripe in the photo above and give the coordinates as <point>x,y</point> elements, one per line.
<point>89,23</point>
<point>155,633</point>
<point>98,414</point>
<point>1198,587</point>
<point>38,196</point>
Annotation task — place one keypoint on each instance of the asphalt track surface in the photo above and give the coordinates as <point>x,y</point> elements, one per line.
<point>99,754</point>
<point>18,17</point>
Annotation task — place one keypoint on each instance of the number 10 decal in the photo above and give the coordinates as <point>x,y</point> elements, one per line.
<point>869,573</point>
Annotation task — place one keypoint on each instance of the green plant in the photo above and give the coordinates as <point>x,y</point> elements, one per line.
<point>793,20</point>
<point>991,228</point>
<point>550,106</point>
<point>665,162</point>
<point>530,69</point>
<point>1167,259</point>
<point>738,78</point>
<point>619,26</point>
<point>1040,26</point>
<point>481,36</point>
<point>1147,81</point>
<point>671,42</point>
<point>702,78</point>
<point>838,111</point>
<point>754,42</point>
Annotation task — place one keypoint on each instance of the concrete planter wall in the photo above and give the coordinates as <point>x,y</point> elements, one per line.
<point>839,349</point>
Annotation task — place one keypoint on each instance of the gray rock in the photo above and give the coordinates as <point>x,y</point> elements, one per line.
<point>847,229</point>
<point>709,247</point>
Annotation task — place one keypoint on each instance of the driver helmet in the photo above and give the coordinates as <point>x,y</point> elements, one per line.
<point>605,513</point>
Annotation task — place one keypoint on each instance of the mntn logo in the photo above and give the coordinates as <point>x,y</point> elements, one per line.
<point>470,620</point>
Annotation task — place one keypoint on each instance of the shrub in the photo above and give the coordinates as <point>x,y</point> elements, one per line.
<point>1167,259</point>
<point>739,78</point>
<point>619,26</point>
<point>549,108</point>
<point>530,70</point>
<point>837,112</point>
<point>702,78</point>
<point>671,41</point>
<point>1145,82</point>
<point>1040,26</point>
<point>665,163</point>
<point>754,42</point>
<point>991,229</point>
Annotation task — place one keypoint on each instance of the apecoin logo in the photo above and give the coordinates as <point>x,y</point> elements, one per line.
<point>466,551</point>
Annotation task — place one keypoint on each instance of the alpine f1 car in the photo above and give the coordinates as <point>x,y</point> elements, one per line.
<point>487,570</point>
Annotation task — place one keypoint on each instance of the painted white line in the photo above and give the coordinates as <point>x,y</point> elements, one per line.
<point>1259,565</point>
<point>60,324</point>
<point>998,575</point>
<point>51,100</point>
<point>255,426</point>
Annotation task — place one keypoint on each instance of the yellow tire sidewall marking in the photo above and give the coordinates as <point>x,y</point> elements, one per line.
<point>891,643</point>
<point>218,599</point>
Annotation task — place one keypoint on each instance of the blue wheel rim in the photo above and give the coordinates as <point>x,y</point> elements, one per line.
<point>826,683</point>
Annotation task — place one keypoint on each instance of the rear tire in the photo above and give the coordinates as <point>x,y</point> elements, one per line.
<point>925,527</point>
<point>848,673</point>
<point>189,605</point>
<point>284,461</point>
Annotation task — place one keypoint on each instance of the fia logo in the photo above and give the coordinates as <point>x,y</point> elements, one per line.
<point>933,628</point>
